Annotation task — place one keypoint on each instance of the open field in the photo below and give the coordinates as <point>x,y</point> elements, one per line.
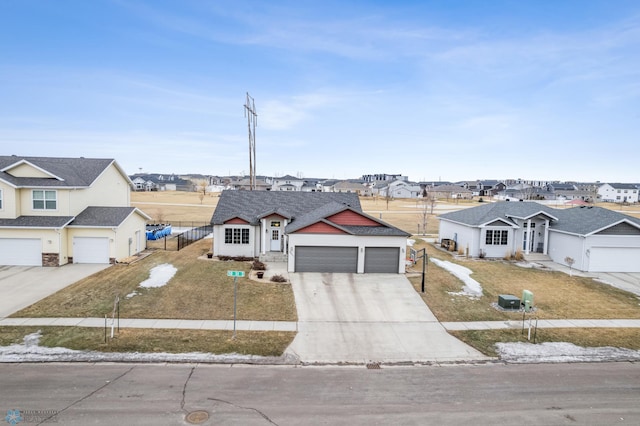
<point>199,290</point>
<point>265,343</point>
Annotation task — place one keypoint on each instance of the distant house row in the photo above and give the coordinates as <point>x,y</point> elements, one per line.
<point>398,186</point>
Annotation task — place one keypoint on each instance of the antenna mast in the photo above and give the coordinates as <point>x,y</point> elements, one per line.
<point>252,122</point>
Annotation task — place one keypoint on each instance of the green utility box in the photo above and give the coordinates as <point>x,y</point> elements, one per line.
<point>527,300</point>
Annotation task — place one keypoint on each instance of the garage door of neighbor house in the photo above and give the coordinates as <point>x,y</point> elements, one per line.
<point>381,259</point>
<point>21,251</point>
<point>90,250</point>
<point>614,259</point>
<point>326,259</point>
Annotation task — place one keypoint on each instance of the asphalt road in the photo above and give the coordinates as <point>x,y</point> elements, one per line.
<point>125,394</point>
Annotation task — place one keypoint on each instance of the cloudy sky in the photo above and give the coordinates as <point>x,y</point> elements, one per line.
<point>445,90</point>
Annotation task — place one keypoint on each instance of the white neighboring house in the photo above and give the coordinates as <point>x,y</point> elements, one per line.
<point>597,239</point>
<point>311,231</point>
<point>287,183</point>
<point>618,193</point>
<point>400,189</point>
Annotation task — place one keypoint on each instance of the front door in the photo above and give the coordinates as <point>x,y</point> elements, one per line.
<point>275,240</point>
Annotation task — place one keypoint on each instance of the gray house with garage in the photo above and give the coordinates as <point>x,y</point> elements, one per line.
<point>597,239</point>
<point>311,231</point>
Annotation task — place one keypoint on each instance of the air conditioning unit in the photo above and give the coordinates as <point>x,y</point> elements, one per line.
<point>508,301</point>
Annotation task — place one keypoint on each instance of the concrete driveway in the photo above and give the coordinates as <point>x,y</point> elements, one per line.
<point>21,286</point>
<point>362,318</point>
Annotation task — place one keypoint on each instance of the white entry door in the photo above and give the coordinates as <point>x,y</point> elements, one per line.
<point>275,240</point>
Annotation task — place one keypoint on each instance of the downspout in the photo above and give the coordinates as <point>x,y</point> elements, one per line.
<point>526,249</point>
<point>545,249</point>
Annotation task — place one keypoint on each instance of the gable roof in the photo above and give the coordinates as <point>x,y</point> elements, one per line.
<point>64,172</point>
<point>487,213</point>
<point>303,208</point>
<point>589,220</point>
<point>104,216</point>
<point>581,220</point>
<point>254,205</point>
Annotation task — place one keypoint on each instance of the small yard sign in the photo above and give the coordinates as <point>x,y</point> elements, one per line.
<point>235,274</point>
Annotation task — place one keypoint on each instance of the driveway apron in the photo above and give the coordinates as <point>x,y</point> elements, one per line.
<point>21,286</point>
<point>362,318</point>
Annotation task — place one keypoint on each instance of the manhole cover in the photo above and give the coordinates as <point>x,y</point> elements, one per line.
<point>373,366</point>
<point>197,417</point>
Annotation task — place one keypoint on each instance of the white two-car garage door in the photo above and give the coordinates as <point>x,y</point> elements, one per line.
<point>90,250</point>
<point>326,259</point>
<point>21,251</point>
<point>614,259</point>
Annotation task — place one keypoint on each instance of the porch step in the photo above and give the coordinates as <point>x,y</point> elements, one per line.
<point>537,257</point>
<point>273,257</point>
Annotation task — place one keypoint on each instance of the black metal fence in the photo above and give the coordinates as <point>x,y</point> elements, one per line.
<point>193,235</point>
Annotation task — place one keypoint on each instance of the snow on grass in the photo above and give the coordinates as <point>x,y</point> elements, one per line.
<point>411,242</point>
<point>30,351</point>
<point>158,277</point>
<point>472,288</point>
<point>553,352</point>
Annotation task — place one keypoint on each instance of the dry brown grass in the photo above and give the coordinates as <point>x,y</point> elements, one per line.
<point>556,295</point>
<point>265,343</point>
<point>199,290</point>
<point>485,340</point>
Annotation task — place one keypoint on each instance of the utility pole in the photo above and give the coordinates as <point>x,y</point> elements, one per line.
<point>252,122</point>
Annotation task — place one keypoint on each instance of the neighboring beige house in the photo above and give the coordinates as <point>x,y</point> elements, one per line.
<point>55,211</point>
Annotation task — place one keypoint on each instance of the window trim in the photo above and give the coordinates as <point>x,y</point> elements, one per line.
<point>237,236</point>
<point>496,237</point>
<point>1,199</point>
<point>44,200</point>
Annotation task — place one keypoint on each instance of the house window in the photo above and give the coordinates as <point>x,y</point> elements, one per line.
<point>44,200</point>
<point>496,238</point>
<point>236,236</point>
<point>275,224</point>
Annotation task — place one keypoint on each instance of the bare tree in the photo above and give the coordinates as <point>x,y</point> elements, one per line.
<point>424,215</point>
<point>201,188</point>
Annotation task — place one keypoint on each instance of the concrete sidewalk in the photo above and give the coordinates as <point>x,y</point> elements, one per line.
<point>293,326</point>
<point>559,323</point>
<point>155,323</point>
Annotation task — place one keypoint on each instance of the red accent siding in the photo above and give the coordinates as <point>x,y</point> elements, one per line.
<point>349,217</point>
<point>236,220</point>
<point>319,228</point>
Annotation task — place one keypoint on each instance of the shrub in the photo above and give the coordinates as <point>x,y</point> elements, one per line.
<point>508,255</point>
<point>482,254</point>
<point>259,266</point>
<point>235,258</point>
<point>278,279</point>
<point>519,255</point>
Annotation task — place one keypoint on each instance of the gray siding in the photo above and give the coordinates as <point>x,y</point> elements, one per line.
<point>381,259</point>
<point>326,259</point>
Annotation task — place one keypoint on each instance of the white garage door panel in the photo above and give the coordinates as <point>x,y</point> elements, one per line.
<point>21,251</point>
<point>90,250</point>
<point>614,259</point>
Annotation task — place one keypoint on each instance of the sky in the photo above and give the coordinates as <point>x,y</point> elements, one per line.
<point>434,90</point>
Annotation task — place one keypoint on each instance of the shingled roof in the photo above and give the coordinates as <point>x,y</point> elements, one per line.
<point>65,172</point>
<point>489,212</point>
<point>253,205</point>
<point>103,216</point>
<point>302,208</point>
<point>583,220</point>
<point>36,222</point>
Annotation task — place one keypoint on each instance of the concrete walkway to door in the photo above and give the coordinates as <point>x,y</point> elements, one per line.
<point>362,318</point>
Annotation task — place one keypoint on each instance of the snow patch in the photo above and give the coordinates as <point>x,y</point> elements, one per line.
<point>472,288</point>
<point>159,276</point>
<point>29,351</point>
<point>519,352</point>
<point>411,242</point>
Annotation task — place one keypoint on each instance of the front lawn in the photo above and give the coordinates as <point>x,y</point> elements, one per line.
<point>199,290</point>
<point>263,343</point>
